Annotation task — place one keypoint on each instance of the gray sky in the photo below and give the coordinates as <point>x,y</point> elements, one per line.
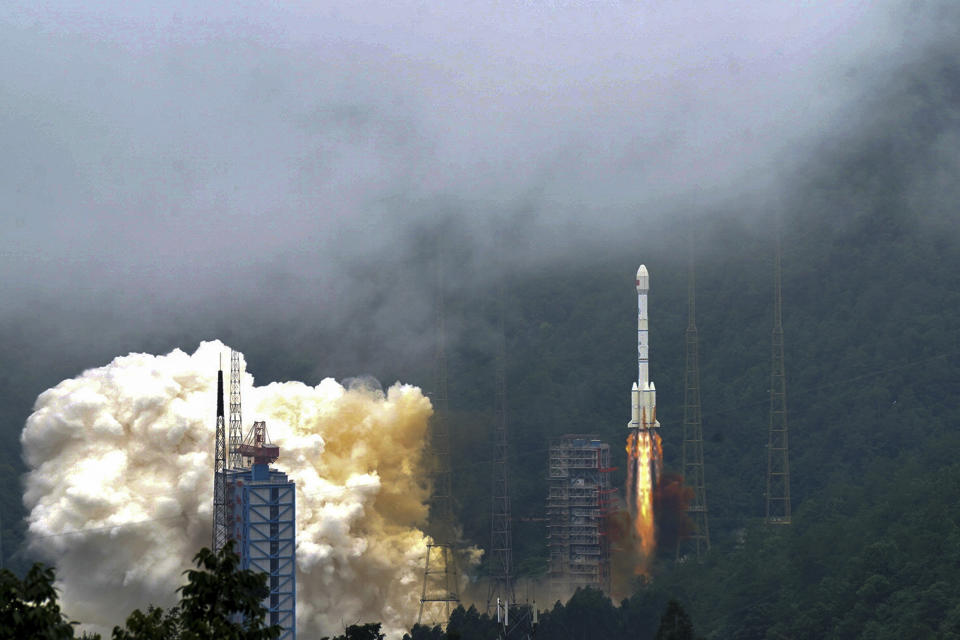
<point>157,155</point>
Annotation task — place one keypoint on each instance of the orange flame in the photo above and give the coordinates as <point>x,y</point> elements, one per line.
<point>644,465</point>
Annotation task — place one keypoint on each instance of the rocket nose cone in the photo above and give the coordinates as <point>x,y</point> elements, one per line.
<point>643,279</point>
<point>635,388</point>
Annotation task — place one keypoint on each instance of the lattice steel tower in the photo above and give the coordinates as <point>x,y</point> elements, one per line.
<point>699,539</point>
<point>219,474</point>
<point>501,536</point>
<point>440,581</point>
<point>236,419</point>
<point>778,464</point>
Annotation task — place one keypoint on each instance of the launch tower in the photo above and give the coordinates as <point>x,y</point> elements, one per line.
<point>439,595</point>
<point>255,506</point>
<point>577,504</point>
<point>692,456</point>
<point>236,416</point>
<point>501,532</point>
<point>778,462</point>
<point>263,524</point>
<point>219,474</point>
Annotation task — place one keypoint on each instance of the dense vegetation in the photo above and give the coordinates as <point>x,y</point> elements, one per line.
<point>872,319</point>
<point>220,601</point>
<point>588,614</point>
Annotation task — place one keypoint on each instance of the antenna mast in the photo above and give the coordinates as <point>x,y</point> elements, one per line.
<point>778,464</point>
<point>219,474</point>
<point>692,422</point>
<point>440,581</point>
<point>236,421</point>
<point>501,537</point>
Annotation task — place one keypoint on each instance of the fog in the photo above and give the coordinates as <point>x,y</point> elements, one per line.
<point>165,164</point>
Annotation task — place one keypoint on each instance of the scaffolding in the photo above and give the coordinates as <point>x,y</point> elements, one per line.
<point>580,497</point>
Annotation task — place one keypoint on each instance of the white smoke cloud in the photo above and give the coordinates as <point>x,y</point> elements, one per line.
<point>121,474</point>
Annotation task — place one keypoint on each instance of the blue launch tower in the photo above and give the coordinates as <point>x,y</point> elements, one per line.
<point>262,520</point>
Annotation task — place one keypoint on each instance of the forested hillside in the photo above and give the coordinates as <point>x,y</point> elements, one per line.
<point>871,301</point>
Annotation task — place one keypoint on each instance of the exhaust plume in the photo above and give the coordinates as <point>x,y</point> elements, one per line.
<point>644,466</point>
<point>121,479</point>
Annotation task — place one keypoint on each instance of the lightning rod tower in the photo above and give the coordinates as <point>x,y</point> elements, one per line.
<point>778,463</point>
<point>699,539</point>
<point>236,419</point>
<point>219,474</point>
<point>501,536</point>
<point>439,595</point>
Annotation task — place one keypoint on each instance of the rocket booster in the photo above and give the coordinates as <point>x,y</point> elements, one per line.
<point>643,395</point>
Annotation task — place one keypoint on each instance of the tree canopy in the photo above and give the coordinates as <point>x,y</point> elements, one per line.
<point>29,608</point>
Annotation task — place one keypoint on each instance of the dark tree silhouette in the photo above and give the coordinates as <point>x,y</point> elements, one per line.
<point>675,624</point>
<point>369,631</point>
<point>219,602</point>
<point>29,608</point>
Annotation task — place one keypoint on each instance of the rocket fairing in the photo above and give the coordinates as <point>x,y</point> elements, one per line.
<point>643,395</point>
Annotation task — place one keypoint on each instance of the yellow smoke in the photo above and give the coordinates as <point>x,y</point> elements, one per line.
<point>121,479</point>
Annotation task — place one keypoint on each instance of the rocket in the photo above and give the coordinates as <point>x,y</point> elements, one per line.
<point>643,395</point>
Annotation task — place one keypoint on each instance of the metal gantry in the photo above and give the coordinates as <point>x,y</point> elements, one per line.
<point>778,463</point>
<point>219,474</point>
<point>236,418</point>
<point>439,595</point>
<point>266,532</point>
<point>579,499</point>
<point>439,585</point>
<point>692,463</point>
<point>501,532</point>
<point>264,526</point>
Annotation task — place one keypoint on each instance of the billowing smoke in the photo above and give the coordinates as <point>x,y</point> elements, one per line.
<point>630,556</point>
<point>670,502</point>
<point>626,552</point>
<point>121,473</point>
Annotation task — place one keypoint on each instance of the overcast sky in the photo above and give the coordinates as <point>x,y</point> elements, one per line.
<point>156,154</point>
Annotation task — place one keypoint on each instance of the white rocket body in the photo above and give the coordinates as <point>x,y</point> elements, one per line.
<point>644,393</point>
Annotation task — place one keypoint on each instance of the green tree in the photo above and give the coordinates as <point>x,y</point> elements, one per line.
<point>219,602</point>
<point>368,631</point>
<point>426,632</point>
<point>155,624</point>
<point>470,624</point>
<point>588,614</point>
<point>675,624</point>
<point>28,607</point>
